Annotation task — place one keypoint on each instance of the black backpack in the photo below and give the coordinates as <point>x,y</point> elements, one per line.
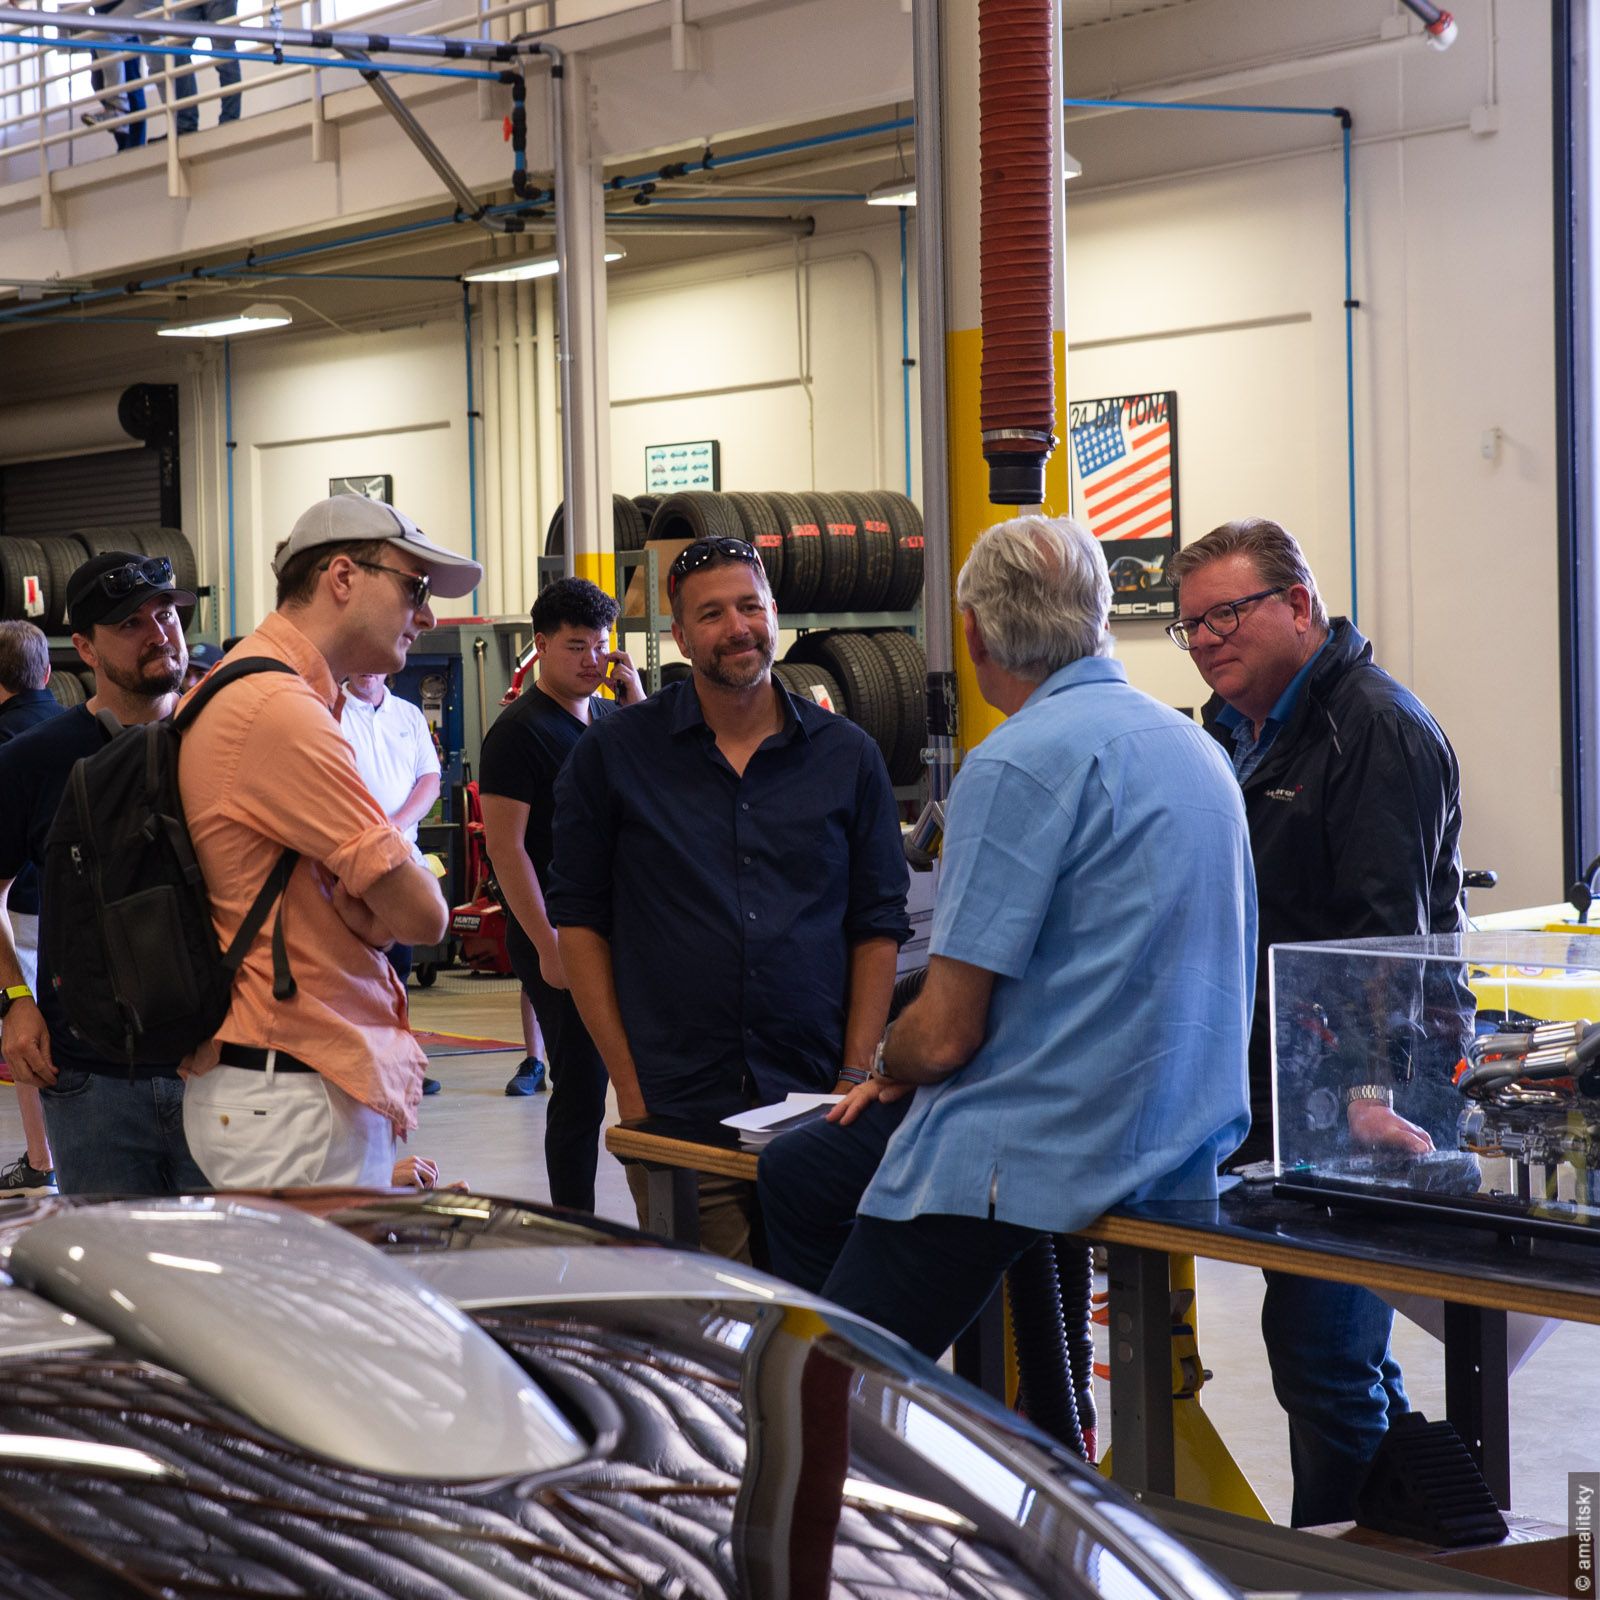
<point>125,921</point>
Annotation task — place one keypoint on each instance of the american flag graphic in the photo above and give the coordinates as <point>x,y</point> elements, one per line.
<point>1122,456</point>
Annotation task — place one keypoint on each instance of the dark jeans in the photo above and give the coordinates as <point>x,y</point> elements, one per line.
<point>131,135</point>
<point>400,959</point>
<point>578,1082</point>
<point>228,72</point>
<point>1328,1346</point>
<point>925,1279</point>
<point>809,1184</point>
<point>116,1135</point>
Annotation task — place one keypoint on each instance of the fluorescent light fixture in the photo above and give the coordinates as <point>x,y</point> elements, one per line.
<point>896,192</point>
<point>518,269</point>
<point>221,326</point>
<point>1071,167</point>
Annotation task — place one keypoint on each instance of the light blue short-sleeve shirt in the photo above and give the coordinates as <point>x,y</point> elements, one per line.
<point>1097,861</point>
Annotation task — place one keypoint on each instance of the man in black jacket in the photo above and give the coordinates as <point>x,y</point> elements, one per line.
<point>1353,800</point>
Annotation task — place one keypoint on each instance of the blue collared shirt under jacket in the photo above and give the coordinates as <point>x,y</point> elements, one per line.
<point>1096,860</point>
<point>730,902</point>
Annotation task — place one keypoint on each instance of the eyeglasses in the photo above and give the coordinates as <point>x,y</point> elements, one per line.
<point>704,551</point>
<point>1221,619</point>
<point>417,586</point>
<point>156,573</point>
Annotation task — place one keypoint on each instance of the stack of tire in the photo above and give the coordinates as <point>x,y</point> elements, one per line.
<point>877,678</point>
<point>854,550</point>
<point>34,572</point>
<point>630,521</point>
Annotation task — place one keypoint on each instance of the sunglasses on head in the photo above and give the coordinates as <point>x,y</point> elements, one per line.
<point>705,551</point>
<point>156,573</point>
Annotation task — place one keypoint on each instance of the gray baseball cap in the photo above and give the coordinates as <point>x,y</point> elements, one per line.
<point>343,518</point>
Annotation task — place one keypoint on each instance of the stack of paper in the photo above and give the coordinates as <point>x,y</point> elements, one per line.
<point>757,1128</point>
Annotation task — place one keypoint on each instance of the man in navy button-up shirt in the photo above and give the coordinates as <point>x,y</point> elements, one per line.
<point>728,878</point>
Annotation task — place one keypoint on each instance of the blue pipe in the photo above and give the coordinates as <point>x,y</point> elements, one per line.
<point>1350,374</point>
<point>344,277</point>
<point>729,200</point>
<point>233,268</point>
<point>229,444</point>
<point>1196,105</point>
<point>905,349</point>
<point>271,58</point>
<point>472,432</point>
<point>709,163</point>
<point>1350,302</point>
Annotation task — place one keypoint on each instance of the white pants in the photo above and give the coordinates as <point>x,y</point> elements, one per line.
<point>283,1130</point>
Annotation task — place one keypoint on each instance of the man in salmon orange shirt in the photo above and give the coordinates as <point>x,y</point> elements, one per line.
<point>314,1086</point>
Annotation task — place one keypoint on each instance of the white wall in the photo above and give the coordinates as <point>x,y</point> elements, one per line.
<point>1456,553</point>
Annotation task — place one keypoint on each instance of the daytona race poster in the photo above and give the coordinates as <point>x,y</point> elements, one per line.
<point>1124,476</point>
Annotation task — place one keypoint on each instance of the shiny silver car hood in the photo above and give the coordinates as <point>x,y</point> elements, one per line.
<point>733,1438</point>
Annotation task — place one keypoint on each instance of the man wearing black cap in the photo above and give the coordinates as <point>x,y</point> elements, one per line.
<point>313,1086</point>
<point>113,1129</point>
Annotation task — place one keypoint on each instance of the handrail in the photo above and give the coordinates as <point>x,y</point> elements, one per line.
<point>35,105</point>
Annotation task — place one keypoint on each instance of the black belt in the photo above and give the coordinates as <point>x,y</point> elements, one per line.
<point>253,1060</point>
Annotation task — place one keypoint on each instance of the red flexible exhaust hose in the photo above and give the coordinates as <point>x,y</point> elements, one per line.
<point>1017,178</point>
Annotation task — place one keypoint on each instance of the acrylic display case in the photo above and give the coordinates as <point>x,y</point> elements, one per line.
<point>1457,1073</point>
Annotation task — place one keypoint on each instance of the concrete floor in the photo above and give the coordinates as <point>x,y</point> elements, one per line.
<point>496,1144</point>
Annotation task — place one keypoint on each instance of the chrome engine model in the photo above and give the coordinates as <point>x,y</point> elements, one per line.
<point>1533,1112</point>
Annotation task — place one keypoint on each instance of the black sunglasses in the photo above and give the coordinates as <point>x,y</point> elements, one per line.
<point>417,585</point>
<point>156,573</point>
<point>702,553</point>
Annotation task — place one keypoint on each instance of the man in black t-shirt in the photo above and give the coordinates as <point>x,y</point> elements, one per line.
<point>115,1129</point>
<point>522,753</point>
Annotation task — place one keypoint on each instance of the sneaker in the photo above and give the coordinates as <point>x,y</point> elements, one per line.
<point>528,1078</point>
<point>22,1178</point>
<point>93,119</point>
<point>431,1086</point>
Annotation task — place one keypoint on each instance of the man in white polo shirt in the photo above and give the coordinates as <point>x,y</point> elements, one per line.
<point>397,760</point>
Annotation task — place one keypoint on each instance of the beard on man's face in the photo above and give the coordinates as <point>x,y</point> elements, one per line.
<point>159,672</point>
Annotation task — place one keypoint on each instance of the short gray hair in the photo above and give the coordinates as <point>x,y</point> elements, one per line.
<point>24,657</point>
<point>1040,591</point>
<point>1271,548</point>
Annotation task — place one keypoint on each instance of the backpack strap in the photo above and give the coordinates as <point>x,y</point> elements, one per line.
<point>283,984</point>
<point>220,678</point>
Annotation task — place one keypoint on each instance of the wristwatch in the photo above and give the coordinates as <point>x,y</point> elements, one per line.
<point>878,1070</point>
<point>1377,1094</point>
<point>9,997</point>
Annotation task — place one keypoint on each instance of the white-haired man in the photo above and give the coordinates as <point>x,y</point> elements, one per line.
<point>1081,1036</point>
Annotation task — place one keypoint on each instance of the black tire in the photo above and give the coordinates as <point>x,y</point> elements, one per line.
<point>696,514</point>
<point>811,682</point>
<point>906,989</point>
<point>908,666</point>
<point>627,527</point>
<point>905,523</point>
<point>62,557</point>
<point>86,678</point>
<point>675,672</point>
<point>20,560</point>
<point>102,540</point>
<point>171,543</point>
<point>762,530</point>
<point>67,689</point>
<point>645,505</point>
<point>802,551</point>
<point>840,554</point>
<point>863,674</point>
<point>875,553</point>
<point>426,974</point>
